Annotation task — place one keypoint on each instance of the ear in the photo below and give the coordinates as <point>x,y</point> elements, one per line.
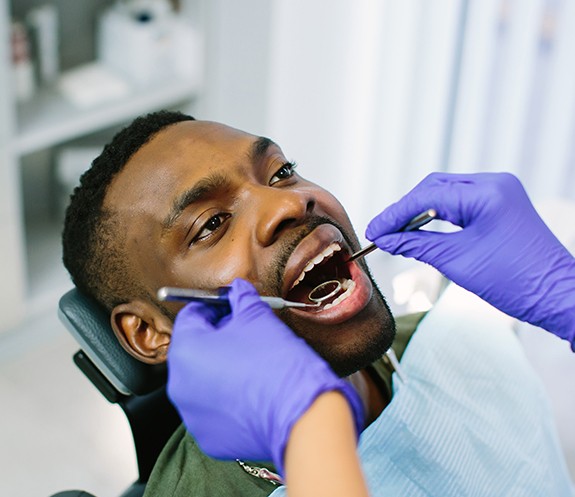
<point>142,330</point>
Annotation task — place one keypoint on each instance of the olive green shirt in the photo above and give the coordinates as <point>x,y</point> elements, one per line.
<point>183,470</point>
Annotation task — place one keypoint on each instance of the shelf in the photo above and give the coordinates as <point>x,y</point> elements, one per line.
<point>49,119</point>
<point>33,134</point>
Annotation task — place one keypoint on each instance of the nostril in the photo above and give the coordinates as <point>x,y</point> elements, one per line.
<point>310,206</point>
<point>294,221</point>
<point>287,209</point>
<point>284,224</point>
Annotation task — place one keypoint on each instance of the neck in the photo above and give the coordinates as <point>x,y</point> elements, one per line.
<point>373,400</point>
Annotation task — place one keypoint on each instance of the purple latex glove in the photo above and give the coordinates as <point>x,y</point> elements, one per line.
<point>241,380</point>
<point>505,253</point>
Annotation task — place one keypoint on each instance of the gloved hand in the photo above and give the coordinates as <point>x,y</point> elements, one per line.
<point>505,253</point>
<point>241,380</point>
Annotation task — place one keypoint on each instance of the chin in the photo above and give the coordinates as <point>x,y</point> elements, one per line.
<point>365,348</point>
<point>354,344</point>
<point>353,326</point>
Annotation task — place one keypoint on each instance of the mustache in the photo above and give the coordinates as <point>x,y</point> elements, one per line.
<point>290,244</point>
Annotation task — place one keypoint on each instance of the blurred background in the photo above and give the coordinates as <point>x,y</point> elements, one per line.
<point>368,96</point>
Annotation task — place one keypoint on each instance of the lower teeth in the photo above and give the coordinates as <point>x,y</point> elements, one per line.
<point>348,286</point>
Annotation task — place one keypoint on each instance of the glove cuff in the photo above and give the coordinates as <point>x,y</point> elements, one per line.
<point>334,383</point>
<point>555,310</point>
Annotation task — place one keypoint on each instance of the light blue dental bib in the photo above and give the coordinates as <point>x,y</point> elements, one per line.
<point>472,419</point>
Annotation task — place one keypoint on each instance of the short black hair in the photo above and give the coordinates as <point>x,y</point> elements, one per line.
<point>92,243</point>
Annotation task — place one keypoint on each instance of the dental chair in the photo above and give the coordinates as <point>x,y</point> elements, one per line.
<point>138,388</point>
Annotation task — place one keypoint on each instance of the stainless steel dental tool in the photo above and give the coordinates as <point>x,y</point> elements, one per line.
<point>220,296</point>
<point>320,294</point>
<point>329,289</point>
<point>394,361</point>
<point>325,291</point>
<point>417,222</point>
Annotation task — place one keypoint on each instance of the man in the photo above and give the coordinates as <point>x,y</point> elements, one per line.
<point>199,204</point>
<point>178,202</point>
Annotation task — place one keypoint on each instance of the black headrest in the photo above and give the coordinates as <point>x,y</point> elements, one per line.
<point>89,323</point>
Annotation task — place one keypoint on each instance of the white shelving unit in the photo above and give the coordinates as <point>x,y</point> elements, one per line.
<point>50,119</point>
<point>31,271</point>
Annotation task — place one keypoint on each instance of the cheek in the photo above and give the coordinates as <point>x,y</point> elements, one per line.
<point>215,268</point>
<point>207,273</point>
<point>323,198</point>
<point>329,205</point>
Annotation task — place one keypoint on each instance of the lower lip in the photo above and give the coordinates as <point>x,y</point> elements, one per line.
<point>347,308</point>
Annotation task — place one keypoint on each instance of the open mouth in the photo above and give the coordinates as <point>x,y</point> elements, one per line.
<point>329,265</point>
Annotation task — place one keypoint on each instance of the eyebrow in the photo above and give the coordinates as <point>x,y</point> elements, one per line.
<point>202,190</point>
<point>260,148</point>
<point>208,186</point>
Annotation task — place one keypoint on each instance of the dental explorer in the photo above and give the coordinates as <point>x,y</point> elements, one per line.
<point>220,296</point>
<point>417,222</point>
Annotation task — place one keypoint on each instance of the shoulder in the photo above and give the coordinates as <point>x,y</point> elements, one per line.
<point>405,327</point>
<point>183,470</point>
<point>381,370</point>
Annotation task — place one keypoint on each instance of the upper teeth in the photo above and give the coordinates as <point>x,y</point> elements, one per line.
<point>328,252</point>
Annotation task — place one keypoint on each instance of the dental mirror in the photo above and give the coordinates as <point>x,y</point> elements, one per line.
<point>325,291</point>
<point>329,289</point>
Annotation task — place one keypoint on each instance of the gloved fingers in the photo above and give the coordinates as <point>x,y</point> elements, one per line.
<point>245,300</point>
<point>457,198</point>
<point>241,289</point>
<point>463,199</point>
<point>425,246</point>
<point>431,193</point>
<point>197,317</point>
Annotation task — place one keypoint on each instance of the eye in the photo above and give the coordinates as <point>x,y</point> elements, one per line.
<point>284,172</point>
<point>210,226</point>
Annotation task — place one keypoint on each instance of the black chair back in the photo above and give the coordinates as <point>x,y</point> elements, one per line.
<point>137,387</point>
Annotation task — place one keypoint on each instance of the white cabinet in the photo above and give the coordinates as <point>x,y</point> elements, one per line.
<point>32,276</point>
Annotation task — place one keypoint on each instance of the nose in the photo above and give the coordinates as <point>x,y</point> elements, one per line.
<point>277,210</point>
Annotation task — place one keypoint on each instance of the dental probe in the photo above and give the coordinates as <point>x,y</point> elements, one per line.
<point>390,353</point>
<point>220,296</point>
<point>417,222</point>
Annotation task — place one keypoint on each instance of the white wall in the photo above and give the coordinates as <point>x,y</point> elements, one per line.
<point>237,63</point>
<point>369,96</point>
<point>355,91</point>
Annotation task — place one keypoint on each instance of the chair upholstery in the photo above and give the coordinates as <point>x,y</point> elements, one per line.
<point>138,388</point>
<point>89,323</point>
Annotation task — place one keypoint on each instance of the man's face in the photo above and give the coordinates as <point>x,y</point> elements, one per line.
<point>202,204</point>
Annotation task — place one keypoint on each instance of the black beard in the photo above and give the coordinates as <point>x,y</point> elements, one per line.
<point>274,285</point>
<point>355,357</point>
<point>359,355</point>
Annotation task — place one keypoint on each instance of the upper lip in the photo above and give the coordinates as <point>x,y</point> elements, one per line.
<point>312,245</point>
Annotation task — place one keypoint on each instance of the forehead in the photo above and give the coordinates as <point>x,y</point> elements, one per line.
<point>191,140</point>
<point>174,157</point>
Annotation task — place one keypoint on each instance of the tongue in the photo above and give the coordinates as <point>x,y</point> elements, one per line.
<point>329,269</point>
<point>325,291</point>
<point>300,293</point>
